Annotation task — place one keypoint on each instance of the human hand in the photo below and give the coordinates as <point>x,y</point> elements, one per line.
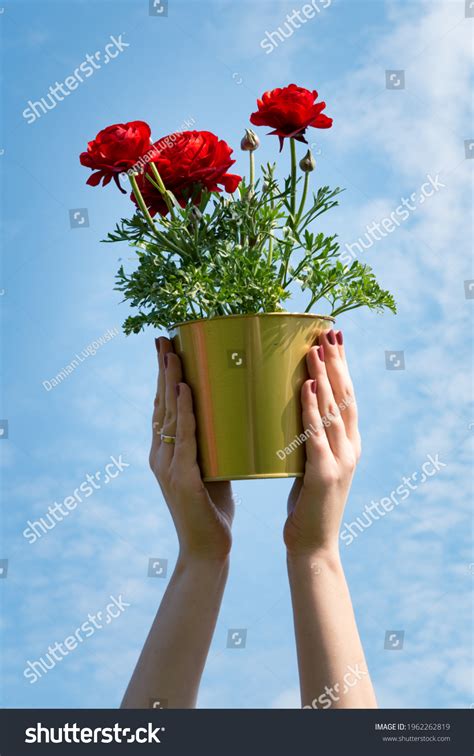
<point>316,502</point>
<point>202,513</point>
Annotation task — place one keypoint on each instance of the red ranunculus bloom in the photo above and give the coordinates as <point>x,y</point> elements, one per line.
<point>189,162</point>
<point>116,149</point>
<point>289,111</point>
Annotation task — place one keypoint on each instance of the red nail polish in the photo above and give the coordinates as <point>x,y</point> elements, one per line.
<point>331,337</point>
<point>157,344</point>
<point>314,387</point>
<point>177,387</point>
<point>340,338</point>
<point>321,353</point>
<point>166,360</point>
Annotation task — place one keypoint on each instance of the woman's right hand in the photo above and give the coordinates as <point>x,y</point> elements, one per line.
<point>202,513</point>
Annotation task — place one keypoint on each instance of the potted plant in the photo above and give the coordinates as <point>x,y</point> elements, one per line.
<point>216,271</point>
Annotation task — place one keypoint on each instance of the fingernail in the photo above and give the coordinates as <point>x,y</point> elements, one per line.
<point>166,360</point>
<point>157,344</point>
<point>321,353</point>
<point>340,338</point>
<point>331,337</point>
<point>314,387</point>
<point>177,387</point>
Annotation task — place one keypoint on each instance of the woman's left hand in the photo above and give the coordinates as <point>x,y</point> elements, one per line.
<point>316,503</point>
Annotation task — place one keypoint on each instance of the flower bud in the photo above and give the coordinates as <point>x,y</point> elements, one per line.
<point>250,141</point>
<point>308,163</point>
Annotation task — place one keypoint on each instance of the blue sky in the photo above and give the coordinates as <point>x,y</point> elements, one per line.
<point>411,570</point>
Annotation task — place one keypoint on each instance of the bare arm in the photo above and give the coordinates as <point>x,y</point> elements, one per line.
<point>171,663</point>
<point>331,660</point>
<point>172,660</point>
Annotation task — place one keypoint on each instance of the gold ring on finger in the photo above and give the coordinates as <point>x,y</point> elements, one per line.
<point>168,439</point>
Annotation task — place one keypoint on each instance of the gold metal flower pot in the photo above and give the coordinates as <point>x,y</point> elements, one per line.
<point>246,372</point>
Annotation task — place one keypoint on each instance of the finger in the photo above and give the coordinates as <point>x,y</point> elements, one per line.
<point>341,383</point>
<point>173,375</point>
<point>317,445</point>
<point>328,409</point>
<point>340,346</point>
<point>186,447</point>
<point>163,346</point>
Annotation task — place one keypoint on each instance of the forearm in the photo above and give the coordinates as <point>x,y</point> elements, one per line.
<point>331,662</point>
<point>172,661</point>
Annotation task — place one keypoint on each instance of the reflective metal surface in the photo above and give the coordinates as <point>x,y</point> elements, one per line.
<point>246,372</point>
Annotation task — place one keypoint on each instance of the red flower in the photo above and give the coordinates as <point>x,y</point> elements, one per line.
<point>289,111</point>
<point>116,149</point>
<point>189,162</point>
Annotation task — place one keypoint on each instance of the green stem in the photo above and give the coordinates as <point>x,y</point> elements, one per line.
<point>315,299</point>
<point>322,295</point>
<point>342,309</point>
<point>296,272</point>
<point>293,176</point>
<point>141,203</point>
<point>303,199</point>
<point>162,188</point>
<point>270,250</point>
<point>285,272</point>
<point>252,171</point>
<point>272,205</point>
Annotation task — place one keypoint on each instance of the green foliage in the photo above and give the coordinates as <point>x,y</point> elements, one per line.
<point>239,256</point>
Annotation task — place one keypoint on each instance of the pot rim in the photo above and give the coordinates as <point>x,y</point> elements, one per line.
<point>253,315</point>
